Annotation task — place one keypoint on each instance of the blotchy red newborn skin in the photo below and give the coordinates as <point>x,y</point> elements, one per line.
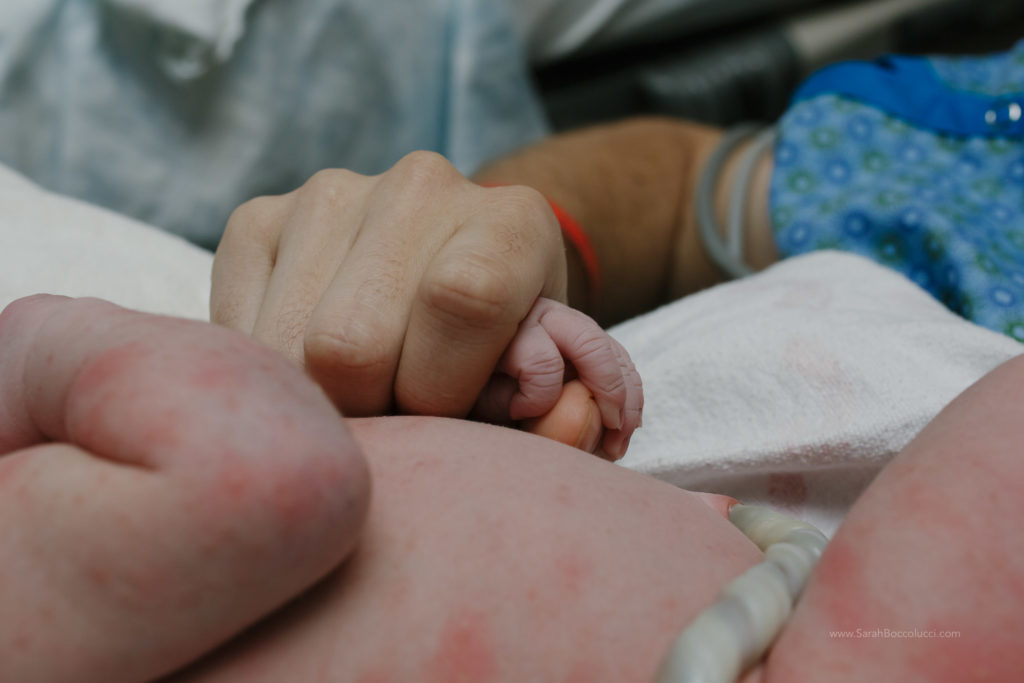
<point>9,467</point>
<point>145,501</point>
<point>932,546</point>
<point>494,555</point>
<point>466,651</point>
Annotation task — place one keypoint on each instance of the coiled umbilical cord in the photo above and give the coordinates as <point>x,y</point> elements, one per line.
<point>733,633</point>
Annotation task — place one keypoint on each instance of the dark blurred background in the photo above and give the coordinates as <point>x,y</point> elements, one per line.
<point>732,60</point>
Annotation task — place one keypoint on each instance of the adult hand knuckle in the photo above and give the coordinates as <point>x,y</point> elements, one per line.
<point>331,187</point>
<point>225,308</point>
<point>524,223</point>
<point>350,348</point>
<point>326,181</point>
<point>526,203</point>
<point>423,170</point>
<point>254,218</point>
<point>527,206</point>
<point>471,290</point>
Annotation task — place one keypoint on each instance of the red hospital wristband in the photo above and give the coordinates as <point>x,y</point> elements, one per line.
<point>574,233</point>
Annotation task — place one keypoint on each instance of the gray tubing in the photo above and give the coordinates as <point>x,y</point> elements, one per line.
<point>706,223</point>
<point>728,258</point>
<point>741,187</point>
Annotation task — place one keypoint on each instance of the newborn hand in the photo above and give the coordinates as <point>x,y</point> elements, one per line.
<point>397,292</point>
<point>598,412</point>
<point>163,484</point>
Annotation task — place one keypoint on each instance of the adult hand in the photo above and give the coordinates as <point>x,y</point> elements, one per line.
<point>398,292</point>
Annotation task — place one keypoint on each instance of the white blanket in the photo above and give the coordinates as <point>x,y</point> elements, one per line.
<point>794,387</point>
<point>54,244</point>
<point>791,388</point>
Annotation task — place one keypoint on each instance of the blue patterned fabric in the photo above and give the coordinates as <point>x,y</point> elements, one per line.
<point>917,164</point>
<point>176,111</point>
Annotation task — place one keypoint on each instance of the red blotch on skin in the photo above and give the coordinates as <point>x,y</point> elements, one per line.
<point>46,614</point>
<point>465,653</point>
<point>291,497</point>
<point>920,504</point>
<point>844,592</point>
<point>232,403</point>
<point>788,490</point>
<point>669,616</point>
<point>563,494</point>
<point>572,571</point>
<point>97,577</point>
<point>145,587</point>
<point>373,678</point>
<point>164,432</point>
<point>398,597</point>
<point>213,375</point>
<point>234,483</point>
<point>411,543</point>
<point>965,659</point>
<point>293,501</point>
<point>22,641</point>
<point>107,366</point>
<point>98,382</point>
<point>585,672</point>
<point>10,465</point>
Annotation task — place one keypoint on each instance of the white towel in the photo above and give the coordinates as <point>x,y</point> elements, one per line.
<point>794,387</point>
<point>57,245</point>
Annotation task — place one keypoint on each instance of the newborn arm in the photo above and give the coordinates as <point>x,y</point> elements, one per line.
<point>934,545</point>
<point>163,484</point>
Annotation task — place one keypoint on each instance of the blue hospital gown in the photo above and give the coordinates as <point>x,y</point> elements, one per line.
<point>918,164</point>
<point>177,111</point>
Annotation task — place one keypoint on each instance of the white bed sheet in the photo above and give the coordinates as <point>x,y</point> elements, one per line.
<point>794,387</point>
<point>58,245</point>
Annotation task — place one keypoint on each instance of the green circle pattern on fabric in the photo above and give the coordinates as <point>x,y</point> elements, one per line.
<point>947,211</point>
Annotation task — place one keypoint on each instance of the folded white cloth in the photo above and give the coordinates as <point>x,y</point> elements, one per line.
<point>794,387</point>
<point>58,245</point>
